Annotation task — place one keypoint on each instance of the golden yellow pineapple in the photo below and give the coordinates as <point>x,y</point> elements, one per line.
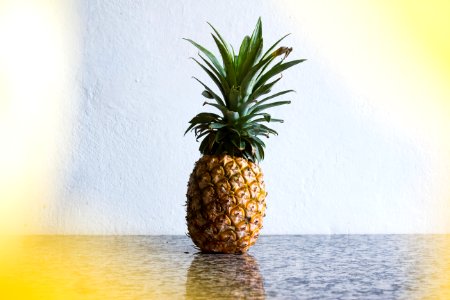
<point>226,192</point>
<point>226,203</point>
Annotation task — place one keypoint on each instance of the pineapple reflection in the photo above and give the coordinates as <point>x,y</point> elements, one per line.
<point>224,276</point>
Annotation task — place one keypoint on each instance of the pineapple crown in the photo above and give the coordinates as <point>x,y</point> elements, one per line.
<point>241,79</point>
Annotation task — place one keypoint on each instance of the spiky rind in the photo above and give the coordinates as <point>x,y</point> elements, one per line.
<point>225,204</point>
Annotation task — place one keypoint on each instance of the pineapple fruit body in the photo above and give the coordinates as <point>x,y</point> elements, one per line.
<point>225,204</point>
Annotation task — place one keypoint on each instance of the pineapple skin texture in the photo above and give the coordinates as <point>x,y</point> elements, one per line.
<point>225,204</point>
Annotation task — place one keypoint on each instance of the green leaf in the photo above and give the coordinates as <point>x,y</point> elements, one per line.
<point>269,130</point>
<point>217,125</point>
<point>234,54</point>
<point>235,131</point>
<point>208,54</point>
<point>207,94</point>
<point>225,88</point>
<point>274,45</point>
<point>259,141</point>
<point>235,142</point>
<point>244,119</point>
<point>257,150</point>
<point>190,128</point>
<point>276,70</point>
<point>238,143</point>
<point>278,52</point>
<point>200,127</point>
<point>220,135</point>
<point>271,120</point>
<point>264,89</point>
<point>215,96</point>
<point>248,83</point>
<point>247,156</point>
<point>227,62</point>
<point>255,45</point>
<point>260,152</point>
<point>207,142</point>
<point>249,80</point>
<point>234,97</point>
<point>202,134</point>
<point>249,61</point>
<point>205,118</point>
<point>256,39</point>
<point>212,76</point>
<point>222,108</point>
<point>242,55</point>
<point>232,116</point>
<point>244,108</point>
<point>258,28</point>
<point>224,43</point>
<point>276,95</point>
<point>241,145</point>
<point>262,107</point>
<point>197,127</point>
<point>255,128</point>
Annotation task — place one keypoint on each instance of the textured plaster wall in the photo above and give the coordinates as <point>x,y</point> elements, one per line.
<point>339,165</point>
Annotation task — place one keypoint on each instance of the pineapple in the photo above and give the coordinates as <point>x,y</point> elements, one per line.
<point>226,192</point>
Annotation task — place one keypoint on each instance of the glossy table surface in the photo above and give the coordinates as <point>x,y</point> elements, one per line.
<point>277,267</point>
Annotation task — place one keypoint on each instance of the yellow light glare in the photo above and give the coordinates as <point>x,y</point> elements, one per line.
<point>35,59</point>
<point>428,23</point>
<point>393,56</point>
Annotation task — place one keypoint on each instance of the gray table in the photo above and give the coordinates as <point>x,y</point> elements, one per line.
<point>277,267</point>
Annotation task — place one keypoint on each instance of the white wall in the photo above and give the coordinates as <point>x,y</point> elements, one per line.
<point>347,159</point>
